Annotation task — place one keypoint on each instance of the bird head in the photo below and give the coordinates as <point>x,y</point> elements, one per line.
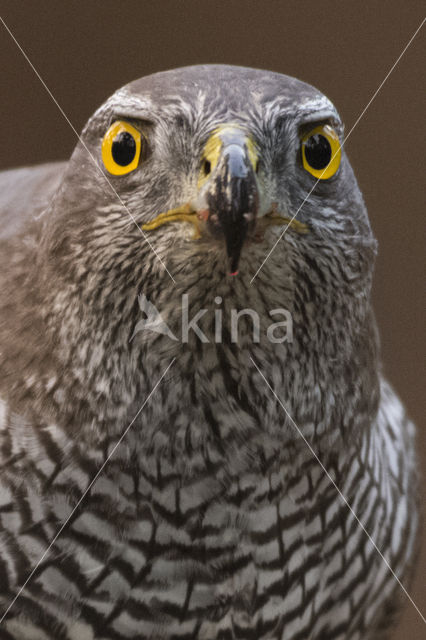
<point>202,173</point>
<point>219,159</point>
<point>223,184</point>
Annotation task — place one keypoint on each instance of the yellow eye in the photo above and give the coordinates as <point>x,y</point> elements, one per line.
<point>121,148</point>
<point>321,152</point>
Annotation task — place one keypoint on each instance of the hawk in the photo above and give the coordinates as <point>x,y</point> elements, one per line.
<point>209,483</point>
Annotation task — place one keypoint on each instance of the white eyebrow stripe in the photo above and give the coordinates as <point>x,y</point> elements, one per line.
<point>124,103</point>
<point>314,115</point>
<point>321,108</point>
<point>128,104</point>
<point>310,108</point>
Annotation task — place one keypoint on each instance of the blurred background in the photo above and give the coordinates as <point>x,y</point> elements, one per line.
<point>85,50</point>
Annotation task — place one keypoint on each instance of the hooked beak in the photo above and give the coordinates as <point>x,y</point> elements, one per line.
<point>227,200</point>
<point>230,191</point>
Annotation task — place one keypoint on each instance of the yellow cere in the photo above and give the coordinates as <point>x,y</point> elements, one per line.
<point>111,135</point>
<point>333,139</point>
<point>226,134</point>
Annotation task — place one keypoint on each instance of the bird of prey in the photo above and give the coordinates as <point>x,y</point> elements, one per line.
<point>198,483</point>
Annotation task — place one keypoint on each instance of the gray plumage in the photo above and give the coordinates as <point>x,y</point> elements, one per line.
<point>212,520</point>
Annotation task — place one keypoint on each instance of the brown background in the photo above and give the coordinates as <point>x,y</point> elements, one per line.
<point>86,50</point>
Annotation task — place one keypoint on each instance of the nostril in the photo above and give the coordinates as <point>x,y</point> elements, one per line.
<point>207,167</point>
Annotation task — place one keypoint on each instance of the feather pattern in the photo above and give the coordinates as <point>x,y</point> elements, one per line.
<point>211,519</point>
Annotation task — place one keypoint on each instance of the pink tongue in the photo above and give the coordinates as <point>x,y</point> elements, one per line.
<point>234,273</point>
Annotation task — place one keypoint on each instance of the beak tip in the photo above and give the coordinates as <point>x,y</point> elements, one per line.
<point>234,259</point>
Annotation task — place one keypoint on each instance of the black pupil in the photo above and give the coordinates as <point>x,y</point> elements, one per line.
<point>123,148</point>
<point>318,151</point>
